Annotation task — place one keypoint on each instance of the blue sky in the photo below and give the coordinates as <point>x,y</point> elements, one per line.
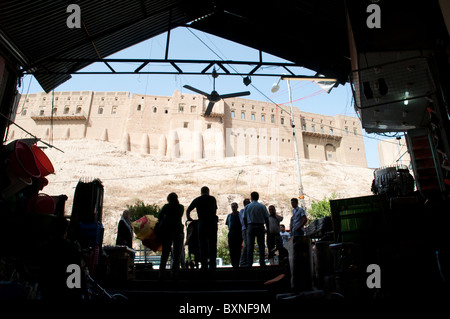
<point>192,44</point>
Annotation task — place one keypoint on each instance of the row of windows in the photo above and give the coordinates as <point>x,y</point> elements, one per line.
<point>66,110</point>
<point>186,125</point>
<point>264,137</point>
<point>322,130</point>
<point>253,117</point>
<point>180,108</point>
<point>282,121</point>
<point>253,107</point>
<point>315,146</point>
<point>70,97</point>
<point>193,108</point>
<point>57,98</point>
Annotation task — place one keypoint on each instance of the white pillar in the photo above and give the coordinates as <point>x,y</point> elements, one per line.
<point>162,145</point>
<point>197,145</point>
<point>104,136</point>
<point>145,144</point>
<point>126,146</point>
<point>173,145</point>
<point>67,134</point>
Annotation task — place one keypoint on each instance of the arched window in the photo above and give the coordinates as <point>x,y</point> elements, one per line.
<point>330,153</point>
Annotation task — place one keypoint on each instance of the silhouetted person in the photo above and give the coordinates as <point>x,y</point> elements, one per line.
<point>171,235</point>
<point>244,255</point>
<point>274,241</point>
<point>125,231</point>
<point>301,271</point>
<point>255,216</point>
<point>234,235</point>
<point>56,256</point>
<point>206,207</point>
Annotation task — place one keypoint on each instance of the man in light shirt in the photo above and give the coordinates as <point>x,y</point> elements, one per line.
<point>301,270</point>
<point>255,217</point>
<point>298,219</point>
<point>284,234</point>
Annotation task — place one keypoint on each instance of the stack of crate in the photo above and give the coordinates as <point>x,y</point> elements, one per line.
<point>358,219</point>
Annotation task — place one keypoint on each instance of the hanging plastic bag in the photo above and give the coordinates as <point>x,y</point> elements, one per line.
<point>144,228</point>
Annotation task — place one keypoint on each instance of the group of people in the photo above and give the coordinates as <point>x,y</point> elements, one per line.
<point>250,223</point>
<point>254,221</point>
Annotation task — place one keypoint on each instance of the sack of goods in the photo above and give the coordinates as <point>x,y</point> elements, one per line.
<point>144,228</point>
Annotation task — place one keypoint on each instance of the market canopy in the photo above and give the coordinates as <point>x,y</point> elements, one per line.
<point>310,33</point>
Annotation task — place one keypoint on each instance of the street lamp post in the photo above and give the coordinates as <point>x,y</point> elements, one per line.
<point>301,196</point>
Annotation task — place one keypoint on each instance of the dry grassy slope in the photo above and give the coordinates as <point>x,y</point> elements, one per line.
<point>129,176</point>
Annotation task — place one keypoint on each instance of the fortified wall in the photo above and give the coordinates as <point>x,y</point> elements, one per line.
<point>174,126</point>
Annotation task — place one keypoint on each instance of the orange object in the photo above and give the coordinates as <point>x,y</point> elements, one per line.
<point>23,161</point>
<point>42,161</point>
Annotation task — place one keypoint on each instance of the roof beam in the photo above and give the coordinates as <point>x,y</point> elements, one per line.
<point>175,63</point>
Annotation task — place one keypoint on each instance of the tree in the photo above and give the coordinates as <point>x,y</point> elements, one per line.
<point>321,208</point>
<point>222,246</point>
<point>140,209</point>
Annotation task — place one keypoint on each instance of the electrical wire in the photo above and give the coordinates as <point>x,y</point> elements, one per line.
<point>278,105</point>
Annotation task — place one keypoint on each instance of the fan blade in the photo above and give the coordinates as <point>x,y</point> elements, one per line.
<point>209,108</point>
<point>195,90</point>
<point>226,96</point>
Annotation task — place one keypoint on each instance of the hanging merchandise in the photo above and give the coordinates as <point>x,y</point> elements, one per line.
<point>144,228</point>
<point>43,163</point>
<point>22,161</point>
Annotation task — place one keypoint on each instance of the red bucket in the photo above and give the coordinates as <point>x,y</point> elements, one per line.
<point>23,161</point>
<point>42,161</point>
<point>41,204</point>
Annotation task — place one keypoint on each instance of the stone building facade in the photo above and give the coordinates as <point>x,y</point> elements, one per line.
<point>174,126</point>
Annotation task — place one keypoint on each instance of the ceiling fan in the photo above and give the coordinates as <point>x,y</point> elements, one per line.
<point>214,97</point>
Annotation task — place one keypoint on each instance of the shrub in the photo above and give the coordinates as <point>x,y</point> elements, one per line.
<point>222,246</point>
<point>321,208</point>
<point>140,209</point>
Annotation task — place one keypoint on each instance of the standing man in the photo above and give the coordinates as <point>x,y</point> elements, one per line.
<point>301,274</point>
<point>206,206</point>
<point>124,230</point>
<point>255,216</point>
<point>298,220</point>
<point>234,235</point>
<point>274,241</point>
<point>244,256</point>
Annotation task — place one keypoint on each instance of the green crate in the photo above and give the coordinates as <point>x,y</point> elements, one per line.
<point>357,219</point>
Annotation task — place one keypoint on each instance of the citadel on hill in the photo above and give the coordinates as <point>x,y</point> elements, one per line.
<point>175,126</point>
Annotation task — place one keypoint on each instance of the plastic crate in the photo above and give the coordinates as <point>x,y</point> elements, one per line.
<point>358,219</point>
<point>90,234</point>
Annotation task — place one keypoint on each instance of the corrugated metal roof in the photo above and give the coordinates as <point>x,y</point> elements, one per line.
<point>308,32</point>
<point>38,29</point>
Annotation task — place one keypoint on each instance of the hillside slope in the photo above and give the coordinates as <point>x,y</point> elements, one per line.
<point>128,176</point>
